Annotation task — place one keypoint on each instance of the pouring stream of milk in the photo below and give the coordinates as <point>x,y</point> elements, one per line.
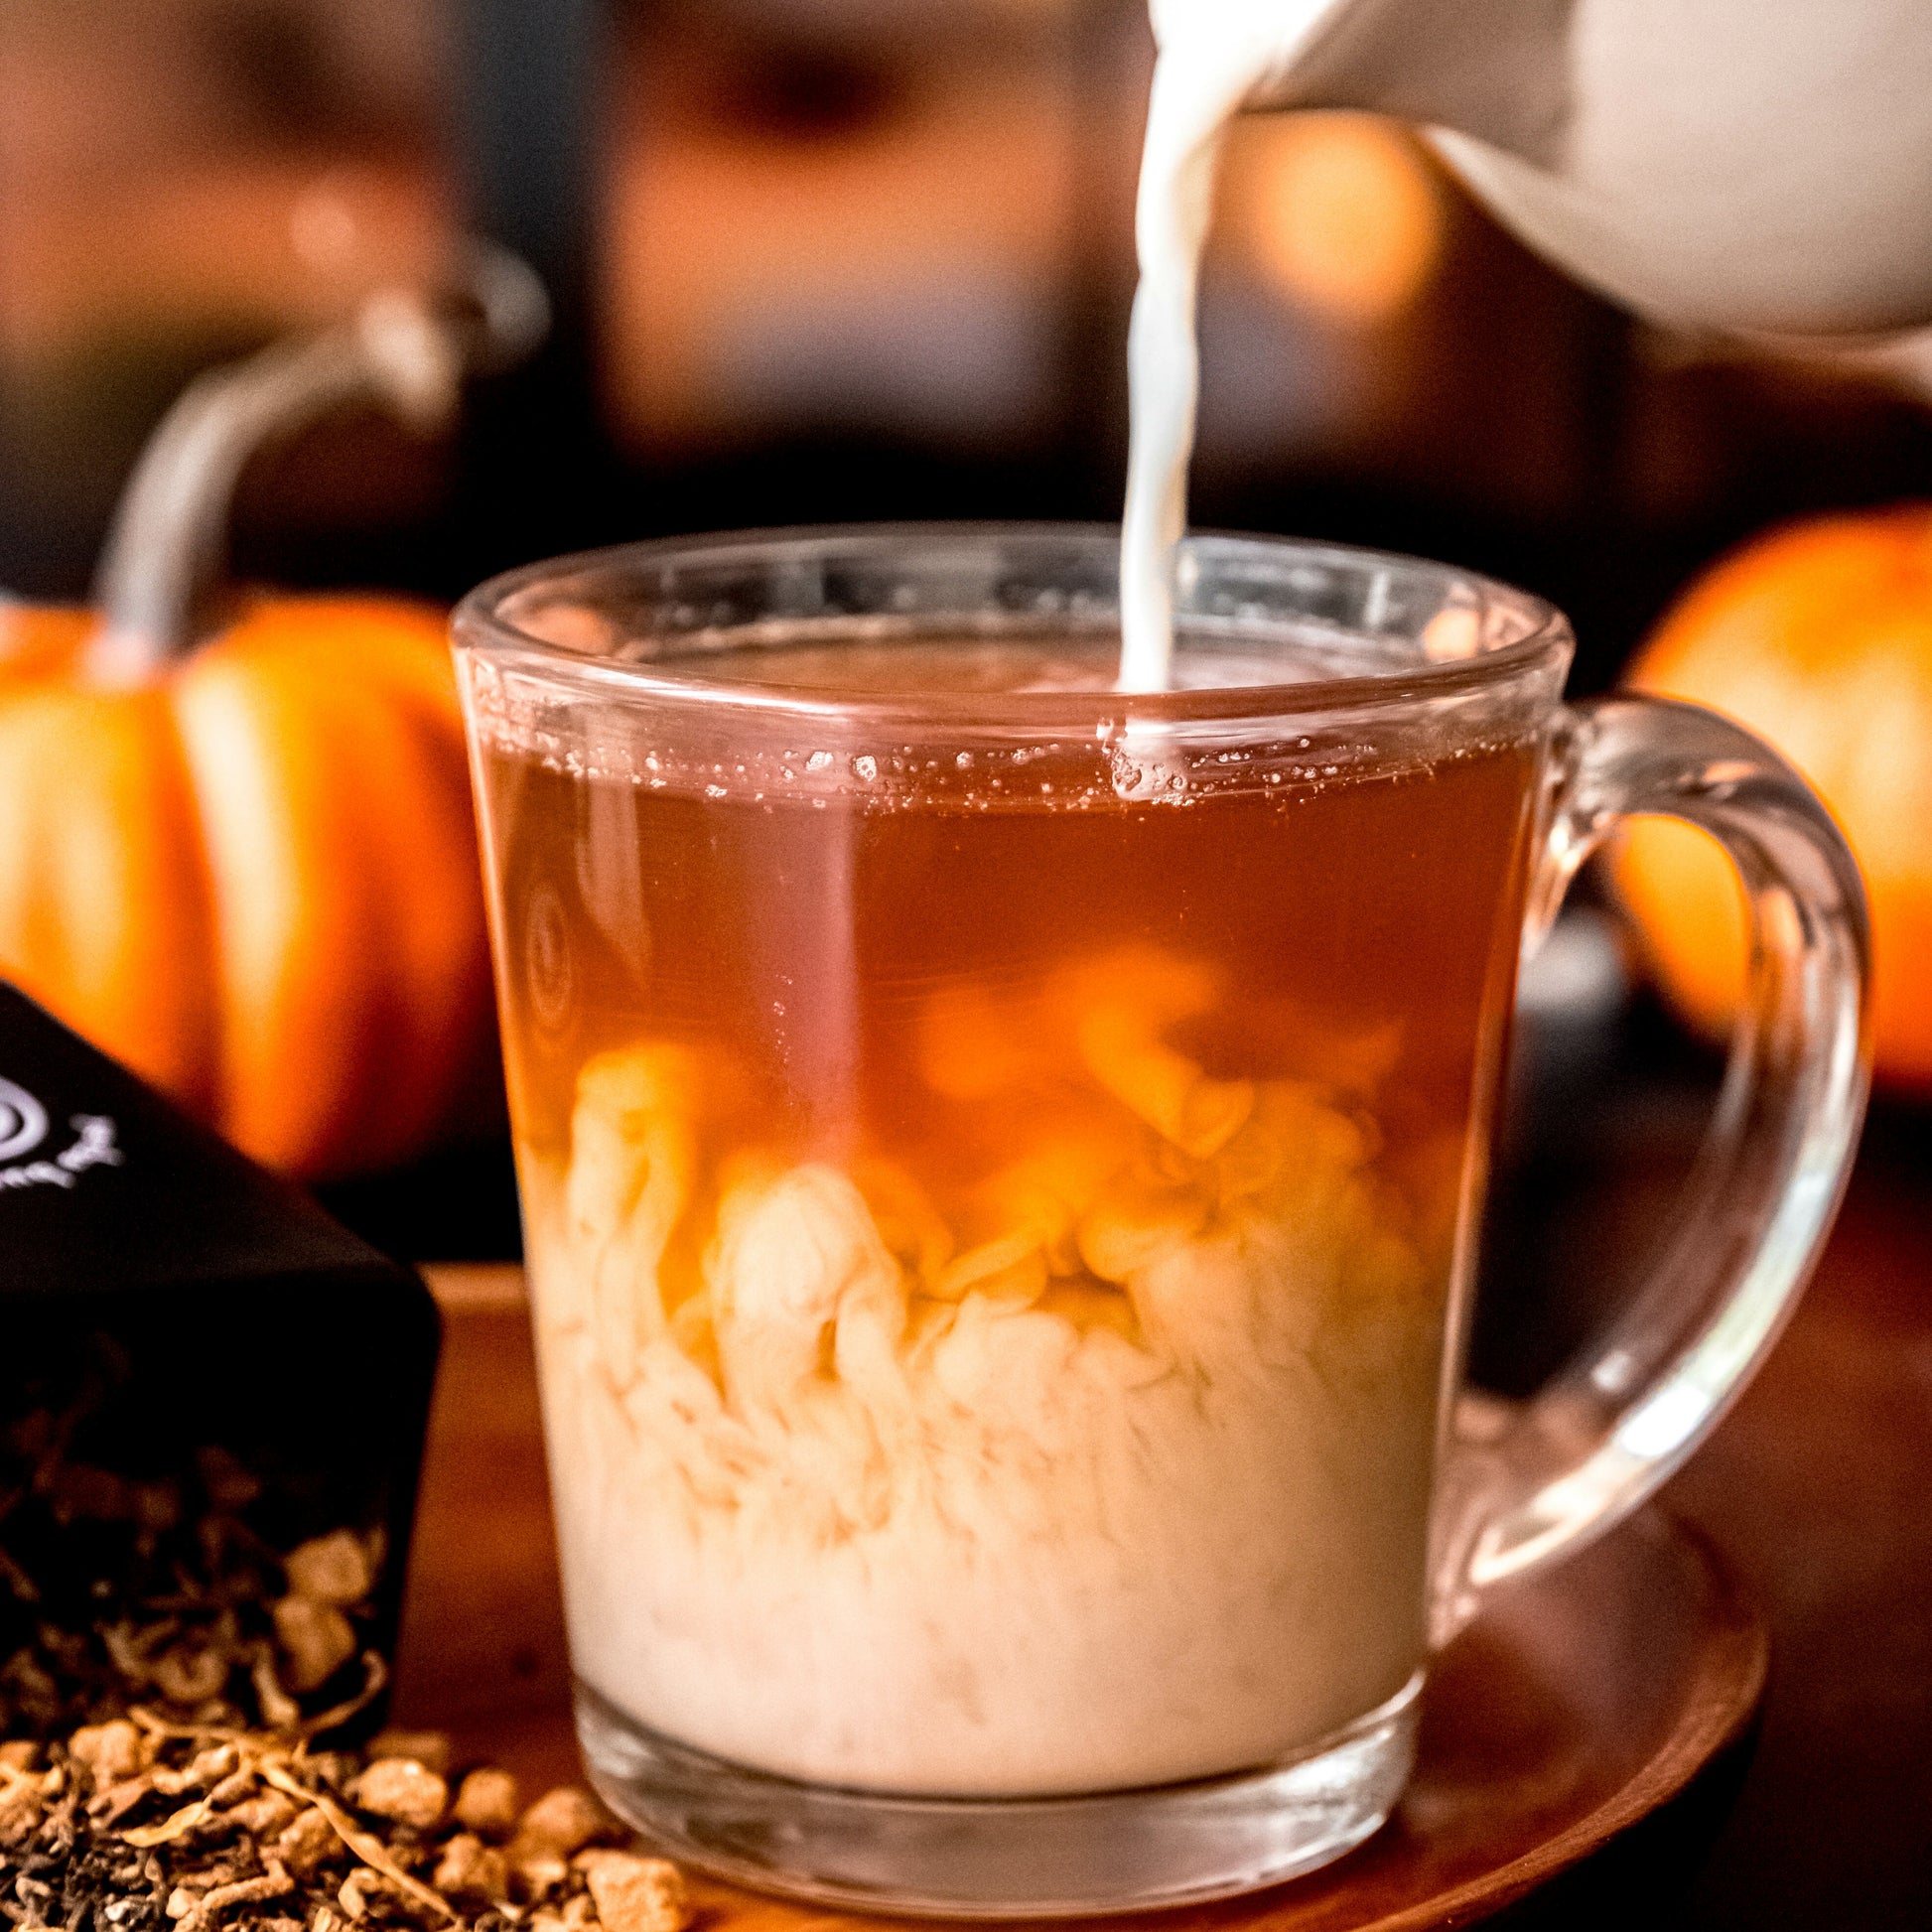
<point>1212,54</point>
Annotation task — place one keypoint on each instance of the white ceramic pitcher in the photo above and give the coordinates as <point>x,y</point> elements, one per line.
<point>1757,165</point>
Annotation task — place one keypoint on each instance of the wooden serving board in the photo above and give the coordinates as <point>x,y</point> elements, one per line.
<point>1577,1707</point>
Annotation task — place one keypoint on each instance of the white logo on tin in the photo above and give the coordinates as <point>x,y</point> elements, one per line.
<point>23,1121</point>
<point>23,1127</point>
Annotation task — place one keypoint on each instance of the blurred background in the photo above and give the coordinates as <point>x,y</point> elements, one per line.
<point>830,258</point>
<point>824,259</point>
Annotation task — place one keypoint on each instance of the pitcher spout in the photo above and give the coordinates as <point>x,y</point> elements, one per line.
<point>1500,75</point>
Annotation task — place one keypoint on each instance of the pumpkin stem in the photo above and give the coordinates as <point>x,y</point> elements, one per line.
<point>403,350</point>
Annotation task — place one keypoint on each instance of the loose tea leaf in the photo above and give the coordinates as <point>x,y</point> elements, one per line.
<point>164,1590</point>
<point>278,1835</point>
<point>168,1681</point>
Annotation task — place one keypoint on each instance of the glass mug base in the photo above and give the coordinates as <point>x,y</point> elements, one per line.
<point>1009,1858</point>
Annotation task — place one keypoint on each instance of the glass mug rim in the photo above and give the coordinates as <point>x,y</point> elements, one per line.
<point>1527,634</point>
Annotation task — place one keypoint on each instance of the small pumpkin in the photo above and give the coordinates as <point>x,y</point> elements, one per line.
<point>237,842</point>
<point>1818,637</point>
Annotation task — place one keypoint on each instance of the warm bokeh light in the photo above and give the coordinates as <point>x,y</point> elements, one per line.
<point>260,240</point>
<point>1338,212</point>
<point>168,178</point>
<point>906,263</point>
<point>1817,636</point>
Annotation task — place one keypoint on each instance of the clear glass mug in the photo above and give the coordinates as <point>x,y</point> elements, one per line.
<point>1001,1161</point>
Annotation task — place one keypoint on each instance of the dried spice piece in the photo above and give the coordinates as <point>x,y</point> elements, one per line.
<point>307,1844</point>
<point>222,1828</point>
<point>561,1822</point>
<point>485,1803</point>
<point>470,1868</point>
<point>401,1789</point>
<point>634,1895</point>
<point>334,1568</point>
<point>109,1752</point>
<point>315,1641</point>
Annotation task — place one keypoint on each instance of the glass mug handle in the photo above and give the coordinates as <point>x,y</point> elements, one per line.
<point>1529,1484</point>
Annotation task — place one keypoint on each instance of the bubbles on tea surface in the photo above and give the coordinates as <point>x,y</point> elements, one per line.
<point>1118,756</point>
<point>1140,775</point>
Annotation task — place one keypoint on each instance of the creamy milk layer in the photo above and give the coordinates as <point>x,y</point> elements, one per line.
<point>1114,1469</point>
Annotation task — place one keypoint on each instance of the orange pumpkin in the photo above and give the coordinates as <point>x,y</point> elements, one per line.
<point>240,855</point>
<point>253,879</point>
<point>1818,638</point>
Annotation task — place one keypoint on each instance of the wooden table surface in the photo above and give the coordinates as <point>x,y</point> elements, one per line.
<point>1818,1486</point>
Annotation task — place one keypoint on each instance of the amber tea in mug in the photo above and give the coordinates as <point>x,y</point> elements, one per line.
<point>1000,1164</point>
